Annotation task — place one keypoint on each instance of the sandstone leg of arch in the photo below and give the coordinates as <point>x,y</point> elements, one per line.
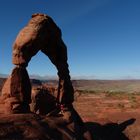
<point>58,57</point>
<point>20,85</point>
<point>20,89</point>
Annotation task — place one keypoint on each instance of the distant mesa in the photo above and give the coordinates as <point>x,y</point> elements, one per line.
<point>35,82</point>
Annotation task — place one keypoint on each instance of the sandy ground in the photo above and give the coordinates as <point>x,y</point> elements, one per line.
<point>111,117</point>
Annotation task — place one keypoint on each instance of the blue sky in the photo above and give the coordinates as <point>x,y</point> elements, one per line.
<point>102,36</point>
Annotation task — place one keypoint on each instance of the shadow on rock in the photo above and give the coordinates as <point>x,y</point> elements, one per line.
<point>109,131</point>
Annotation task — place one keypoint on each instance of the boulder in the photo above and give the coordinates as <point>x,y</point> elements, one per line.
<point>43,100</point>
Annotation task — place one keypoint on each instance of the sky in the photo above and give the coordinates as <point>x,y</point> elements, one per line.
<point>102,36</point>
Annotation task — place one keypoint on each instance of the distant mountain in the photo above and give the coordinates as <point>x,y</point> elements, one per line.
<point>42,78</point>
<point>35,82</point>
<point>35,76</point>
<point>129,86</point>
<point>3,75</point>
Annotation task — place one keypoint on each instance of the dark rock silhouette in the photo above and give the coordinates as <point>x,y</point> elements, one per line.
<point>109,131</point>
<point>43,101</point>
<point>34,127</point>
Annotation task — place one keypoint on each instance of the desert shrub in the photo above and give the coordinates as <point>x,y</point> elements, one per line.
<point>120,105</point>
<point>115,93</point>
<point>86,91</point>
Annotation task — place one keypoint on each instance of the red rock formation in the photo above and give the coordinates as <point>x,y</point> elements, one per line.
<point>41,33</point>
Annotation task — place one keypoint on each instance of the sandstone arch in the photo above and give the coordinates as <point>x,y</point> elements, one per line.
<point>41,33</point>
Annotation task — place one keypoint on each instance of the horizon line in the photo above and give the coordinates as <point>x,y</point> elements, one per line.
<point>53,77</point>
